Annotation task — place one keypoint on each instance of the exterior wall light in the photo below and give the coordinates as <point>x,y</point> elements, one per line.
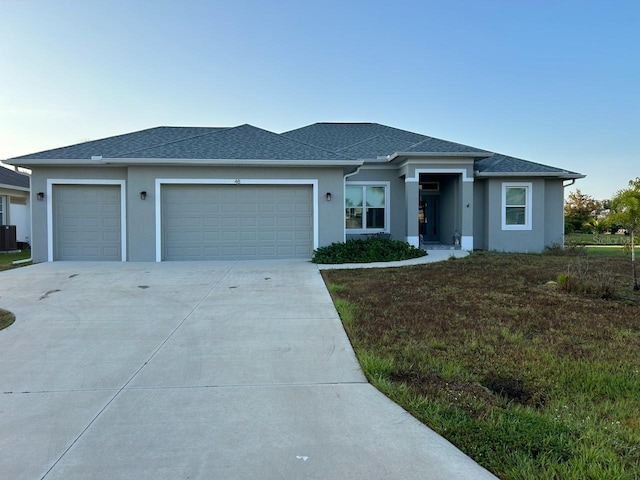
<point>143,195</point>
<point>40,196</point>
<point>328,196</point>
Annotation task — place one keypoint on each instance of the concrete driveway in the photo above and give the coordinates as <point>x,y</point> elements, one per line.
<point>225,370</point>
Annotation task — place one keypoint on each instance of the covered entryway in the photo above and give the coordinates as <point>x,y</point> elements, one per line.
<point>439,211</point>
<point>213,221</point>
<point>87,222</point>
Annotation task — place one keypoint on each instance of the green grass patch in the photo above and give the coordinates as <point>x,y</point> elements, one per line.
<point>372,249</point>
<point>7,259</point>
<point>528,379</point>
<point>595,239</point>
<point>608,251</point>
<point>6,318</point>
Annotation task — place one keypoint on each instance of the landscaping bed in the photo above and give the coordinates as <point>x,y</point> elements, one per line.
<point>372,249</point>
<point>531,377</point>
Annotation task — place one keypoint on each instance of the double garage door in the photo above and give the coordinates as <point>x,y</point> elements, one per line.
<point>198,222</point>
<point>210,222</point>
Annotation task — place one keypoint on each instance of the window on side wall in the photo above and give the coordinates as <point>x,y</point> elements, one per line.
<point>366,208</point>
<point>516,206</point>
<point>2,210</point>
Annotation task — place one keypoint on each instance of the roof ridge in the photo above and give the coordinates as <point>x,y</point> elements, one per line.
<point>314,146</point>
<point>362,141</point>
<point>427,138</point>
<point>218,130</point>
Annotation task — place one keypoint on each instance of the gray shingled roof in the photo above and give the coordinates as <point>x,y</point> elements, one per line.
<point>436,145</point>
<point>339,136</point>
<point>244,142</point>
<point>372,140</point>
<point>9,177</point>
<point>122,145</point>
<point>375,147</point>
<point>499,163</point>
<point>319,141</point>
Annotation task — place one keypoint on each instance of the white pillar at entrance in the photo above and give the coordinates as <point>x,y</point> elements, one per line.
<point>411,192</point>
<point>466,240</point>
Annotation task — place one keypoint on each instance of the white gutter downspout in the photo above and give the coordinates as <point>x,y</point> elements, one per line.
<point>344,193</point>
<point>573,180</point>
<point>30,259</point>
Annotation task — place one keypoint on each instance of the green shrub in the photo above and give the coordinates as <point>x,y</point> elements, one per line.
<point>372,249</point>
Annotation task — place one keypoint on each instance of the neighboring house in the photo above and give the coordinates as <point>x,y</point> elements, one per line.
<point>186,193</point>
<point>14,203</point>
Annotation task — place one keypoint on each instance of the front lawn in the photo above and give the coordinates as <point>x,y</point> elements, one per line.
<point>530,380</point>
<point>7,259</point>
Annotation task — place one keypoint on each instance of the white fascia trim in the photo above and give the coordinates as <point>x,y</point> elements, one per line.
<point>472,155</point>
<point>184,161</point>
<point>81,181</point>
<point>379,166</point>
<point>387,208</point>
<point>54,162</point>
<point>563,175</point>
<point>466,243</point>
<point>13,187</point>
<point>231,162</point>
<point>230,181</point>
<point>528,206</point>
<point>461,171</point>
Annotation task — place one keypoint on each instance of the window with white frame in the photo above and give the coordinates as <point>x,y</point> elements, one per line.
<point>366,207</point>
<point>516,206</point>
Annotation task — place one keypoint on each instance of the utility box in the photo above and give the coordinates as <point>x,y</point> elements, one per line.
<point>8,237</point>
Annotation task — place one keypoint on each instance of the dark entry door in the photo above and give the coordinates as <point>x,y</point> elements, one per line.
<point>431,218</point>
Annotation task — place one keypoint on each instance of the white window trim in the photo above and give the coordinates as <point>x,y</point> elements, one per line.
<point>77,181</point>
<point>4,210</point>
<point>230,181</point>
<point>387,208</point>
<point>528,207</point>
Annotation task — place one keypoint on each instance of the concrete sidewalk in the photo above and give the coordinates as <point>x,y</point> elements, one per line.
<point>195,370</point>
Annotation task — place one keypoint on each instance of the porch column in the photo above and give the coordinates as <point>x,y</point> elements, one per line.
<point>411,195</point>
<point>466,240</point>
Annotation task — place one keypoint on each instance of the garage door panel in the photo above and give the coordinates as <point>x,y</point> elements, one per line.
<point>87,222</point>
<point>236,221</point>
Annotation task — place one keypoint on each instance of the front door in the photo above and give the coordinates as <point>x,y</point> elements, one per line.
<point>430,209</point>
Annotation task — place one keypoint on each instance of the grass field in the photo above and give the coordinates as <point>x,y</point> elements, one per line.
<point>591,239</point>
<point>528,379</point>
<point>7,259</point>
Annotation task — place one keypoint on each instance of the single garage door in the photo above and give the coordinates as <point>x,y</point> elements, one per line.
<point>86,222</point>
<point>212,222</point>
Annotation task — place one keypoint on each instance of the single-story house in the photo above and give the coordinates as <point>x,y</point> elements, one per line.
<point>200,193</point>
<point>14,203</point>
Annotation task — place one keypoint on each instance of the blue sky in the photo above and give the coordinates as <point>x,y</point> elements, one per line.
<point>556,82</point>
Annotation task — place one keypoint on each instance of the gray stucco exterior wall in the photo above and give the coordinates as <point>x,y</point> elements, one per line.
<point>554,212</point>
<point>546,217</point>
<point>479,212</point>
<point>141,214</point>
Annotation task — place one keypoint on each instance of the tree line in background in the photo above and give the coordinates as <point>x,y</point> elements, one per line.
<point>620,215</point>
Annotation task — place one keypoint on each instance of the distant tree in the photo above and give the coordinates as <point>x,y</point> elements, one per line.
<point>625,211</point>
<point>578,209</point>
